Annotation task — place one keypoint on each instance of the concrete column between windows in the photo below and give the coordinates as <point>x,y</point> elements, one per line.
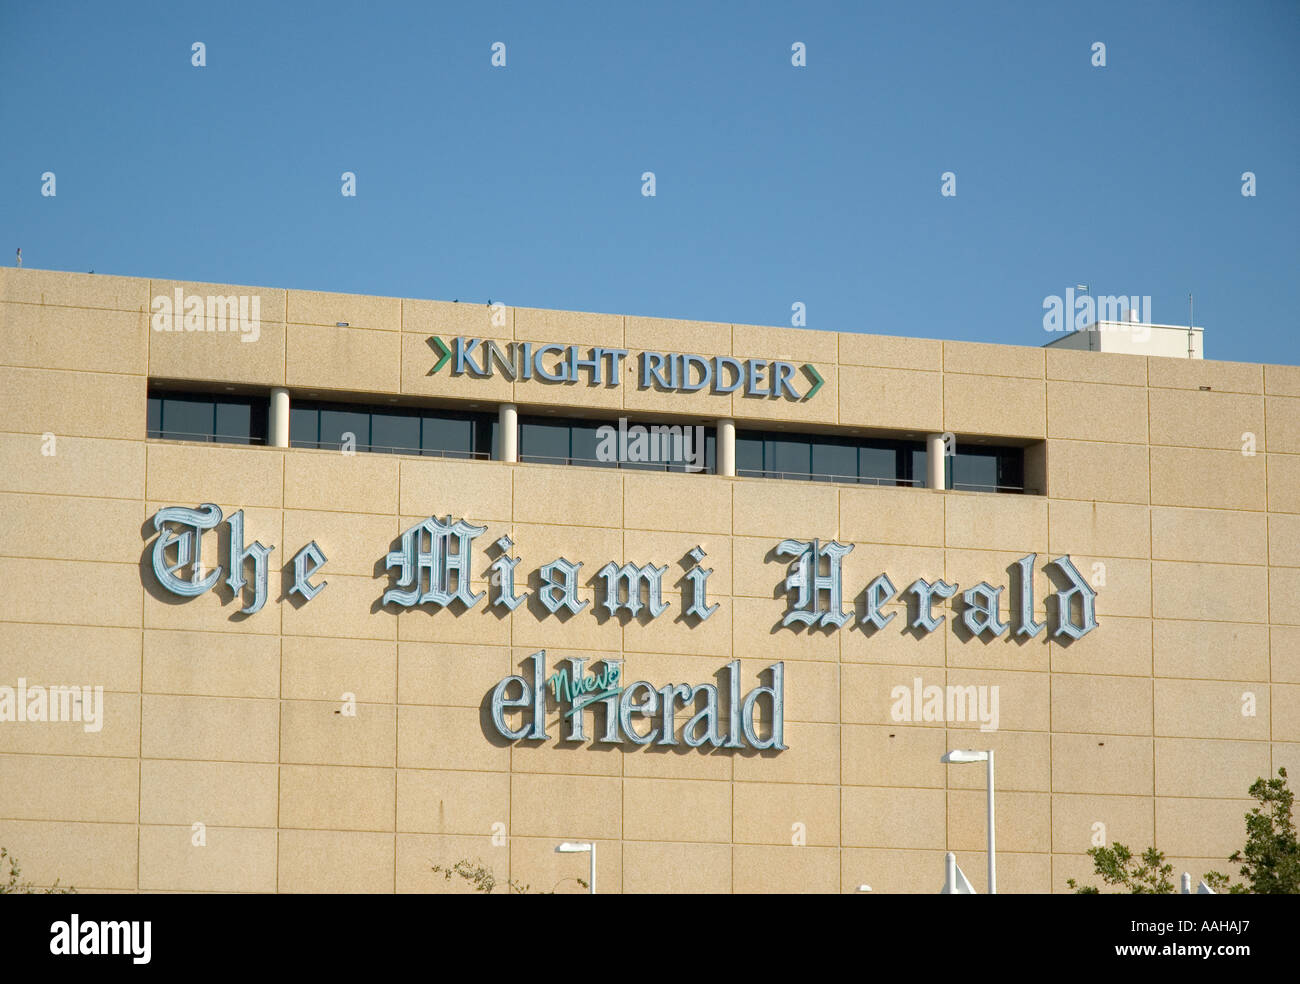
<point>935,462</point>
<point>508,432</point>
<point>726,451</point>
<point>279,417</point>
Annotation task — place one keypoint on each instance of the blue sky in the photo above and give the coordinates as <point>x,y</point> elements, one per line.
<point>775,184</point>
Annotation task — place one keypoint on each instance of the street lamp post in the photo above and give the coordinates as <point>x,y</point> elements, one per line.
<point>582,847</point>
<point>960,756</point>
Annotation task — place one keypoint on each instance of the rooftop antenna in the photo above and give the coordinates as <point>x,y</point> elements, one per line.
<point>1191,325</point>
<point>1096,327</point>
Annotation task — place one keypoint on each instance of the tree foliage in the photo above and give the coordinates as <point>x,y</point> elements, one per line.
<point>481,877</point>
<point>13,885</point>
<point>1270,861</point>
<point>1115,865</point>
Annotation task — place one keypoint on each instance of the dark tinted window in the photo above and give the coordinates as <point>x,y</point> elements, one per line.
<point>395,433</point>
<point>224,419</point>
<point>878,463</point>
<point>584,443</point>
<point>749,454</point>
<point>234,422</point>
<point>919,458</point>
<point>987,469</point>
<point>1011,469</point>
<point>450,436</point>
<point>828,458</point>
<point>338,426</point>
<point>974,470</point>
<point>789,455</point>
<point>665,447</point>
<point>304,427</point>
<point>834,461</point>
<point>392,430</point>
<point>692,450</point>
<point>544,442</point>
<point>189,419</point>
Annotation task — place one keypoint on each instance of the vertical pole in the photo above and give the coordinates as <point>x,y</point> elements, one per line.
<point>278,417</point>
<point>993,871</point>
<point>593,869</point>
<point>726,447</point>
<point>1094,328</point>
<point>936,465</point>
<point>508,432</point>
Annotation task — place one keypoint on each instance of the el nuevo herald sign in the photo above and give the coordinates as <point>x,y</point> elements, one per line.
<point>576,689</point>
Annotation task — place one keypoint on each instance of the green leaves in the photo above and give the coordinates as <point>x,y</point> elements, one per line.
<point>12,886</point>
<point>1115,865</point>
<point>1270,861</point>
<point>481,877</point>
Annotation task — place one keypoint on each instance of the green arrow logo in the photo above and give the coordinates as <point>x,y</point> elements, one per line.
<point>438,345</point>
<point>816,377</point>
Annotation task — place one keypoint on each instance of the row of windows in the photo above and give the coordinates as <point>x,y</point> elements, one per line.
<point>206,417</point>
<point>601,444</point>
<point>987,469</point>
<point>392,430</point>
<point>450,433</point>
<point>823,458</point>
<point>768,454</point>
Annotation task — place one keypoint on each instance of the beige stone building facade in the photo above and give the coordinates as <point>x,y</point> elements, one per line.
<point>347,743</point>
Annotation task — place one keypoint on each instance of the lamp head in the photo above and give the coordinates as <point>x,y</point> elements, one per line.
<point>960,756</point>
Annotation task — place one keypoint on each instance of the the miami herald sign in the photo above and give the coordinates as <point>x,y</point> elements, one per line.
<point>433,569</point>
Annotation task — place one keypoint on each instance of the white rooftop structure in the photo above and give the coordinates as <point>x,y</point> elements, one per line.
<point>1135,338</point>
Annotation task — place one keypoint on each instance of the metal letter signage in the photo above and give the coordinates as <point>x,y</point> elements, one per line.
<point>807,581</point>
<point>699,577</point>
<point>670,372</point>
<point>503,572</point>
<point>981,614</point>
<point>310,554</point>
<point>631,577</point>
<point>435,566</point>
<point>238,554</point>
<point>564,592</point>
<point>438,564</point>
<point>1027,627</point>
<point>531,694</point>
<point>628,708</point>
<point>879,591</point>
<point>925,592</point>
<point>1065,622</point>
<point>189,545</point>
